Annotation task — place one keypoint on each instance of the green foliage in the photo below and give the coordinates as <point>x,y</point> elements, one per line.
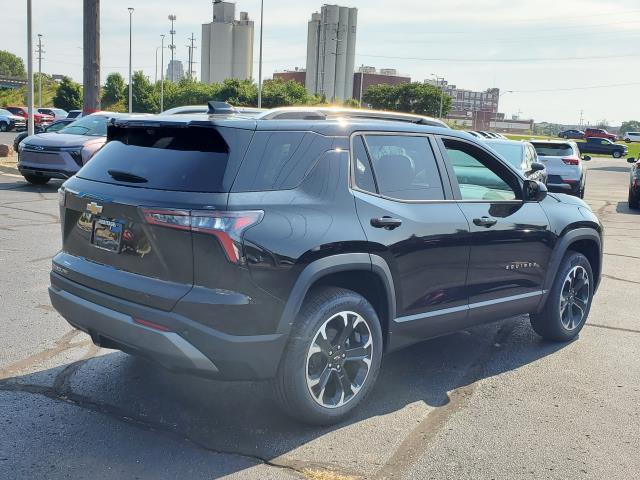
<point>630,126</point>
<point>18,96</point>
<point>11,65</point>
<point>278,93</point>
<point>113,92</point>
<point>419,98</point>
<point>145,98</point>
<point>351,103</point>
<point>69,95</point>
<point>549,129</point>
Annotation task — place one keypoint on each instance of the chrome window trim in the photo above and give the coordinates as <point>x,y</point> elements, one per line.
<point>470,306</point>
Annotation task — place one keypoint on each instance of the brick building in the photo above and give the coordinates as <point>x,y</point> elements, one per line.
<point>367,77</point>
<point>298,75</point>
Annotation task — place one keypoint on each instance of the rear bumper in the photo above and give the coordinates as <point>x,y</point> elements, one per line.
<point>186,346</point>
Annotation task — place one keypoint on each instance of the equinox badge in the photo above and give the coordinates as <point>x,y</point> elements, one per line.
<point>94,208</point>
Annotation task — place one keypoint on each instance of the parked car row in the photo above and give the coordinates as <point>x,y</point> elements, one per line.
<point>483,134</point>
<point>587,133</point>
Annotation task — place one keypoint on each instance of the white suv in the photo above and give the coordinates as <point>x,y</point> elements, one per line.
<point>632,137</point>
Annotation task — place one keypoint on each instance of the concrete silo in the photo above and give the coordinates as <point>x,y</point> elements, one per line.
<point>227,45</point>
<point>331,47</point>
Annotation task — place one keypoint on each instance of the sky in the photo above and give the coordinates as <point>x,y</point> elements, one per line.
<point>551,59</point>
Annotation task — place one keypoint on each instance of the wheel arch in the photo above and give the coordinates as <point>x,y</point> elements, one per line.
<point>586,241</point>
<point>365,274</point>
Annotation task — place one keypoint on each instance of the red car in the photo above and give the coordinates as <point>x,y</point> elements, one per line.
<point>38,118</point>
<point>599,133</point>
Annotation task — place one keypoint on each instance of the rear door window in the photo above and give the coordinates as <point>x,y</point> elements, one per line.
<point>192,159</point>
<point>405,167</point>
<point>279,160</point>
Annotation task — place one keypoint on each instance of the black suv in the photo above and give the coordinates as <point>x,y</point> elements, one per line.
<point>303,250</point>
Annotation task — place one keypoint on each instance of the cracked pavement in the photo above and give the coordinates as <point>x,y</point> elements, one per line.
<point>491,402</point>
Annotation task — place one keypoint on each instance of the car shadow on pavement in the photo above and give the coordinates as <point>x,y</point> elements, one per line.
<point>623,207</point>
<point>242,418</point>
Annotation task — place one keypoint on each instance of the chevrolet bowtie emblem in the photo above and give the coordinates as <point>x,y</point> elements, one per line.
<point>94,208</point>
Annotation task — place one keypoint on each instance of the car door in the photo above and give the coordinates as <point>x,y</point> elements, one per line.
<point>412,222</point>
<point>510,239</point>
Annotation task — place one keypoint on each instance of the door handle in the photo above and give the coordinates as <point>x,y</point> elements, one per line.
<point>485,222</point>
<point>387,223</point>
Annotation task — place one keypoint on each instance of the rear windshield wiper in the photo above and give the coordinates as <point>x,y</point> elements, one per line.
<point>126,177</point>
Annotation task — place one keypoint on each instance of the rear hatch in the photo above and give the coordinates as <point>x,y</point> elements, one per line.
<point>126,216</point>
<point>560,159</point>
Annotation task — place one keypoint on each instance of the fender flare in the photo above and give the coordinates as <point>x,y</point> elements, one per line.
<point>337,263</point>
<point>560,250</point>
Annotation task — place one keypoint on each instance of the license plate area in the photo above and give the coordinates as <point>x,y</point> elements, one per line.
<point>107,234</point>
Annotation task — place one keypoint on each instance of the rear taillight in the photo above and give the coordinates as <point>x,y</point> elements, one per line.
<point>573,160</point>
<point>226,226</point>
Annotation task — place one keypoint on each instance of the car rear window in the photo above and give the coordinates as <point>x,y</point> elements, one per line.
<point>510,152</point>
<point>553,150</point>
<point>279,160</point>
<point>190,159</point>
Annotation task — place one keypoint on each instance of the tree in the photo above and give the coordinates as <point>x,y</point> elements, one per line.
<point>144,95</point>
<point>114,89</point>
<point>69,95</point>
<point>418,98</point>
<point>11,65</point>
<point>280,93</point>
<point>630,126</point>
<point>241,93</point>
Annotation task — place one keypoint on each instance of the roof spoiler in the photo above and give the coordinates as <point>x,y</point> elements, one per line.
<point>220,108</point>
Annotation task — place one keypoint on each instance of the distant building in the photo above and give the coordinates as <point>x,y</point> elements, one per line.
<point>367,77</point>
<point>468,102</point>
<point>227,45</point>
<point>175,71</point>
<point>331,51</point>
<point>299,75</point>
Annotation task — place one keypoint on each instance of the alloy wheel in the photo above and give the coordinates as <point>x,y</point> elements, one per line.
<point>339,359</point>
<point>574,297</point>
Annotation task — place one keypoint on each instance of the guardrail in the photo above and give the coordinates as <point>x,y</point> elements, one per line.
<point>12,82</point>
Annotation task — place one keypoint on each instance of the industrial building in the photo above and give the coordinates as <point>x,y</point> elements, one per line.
<point>298,75</point>
<point>468,102</point>
<point>367,77</point>
<point>227,45</point>
<point>331,50</point>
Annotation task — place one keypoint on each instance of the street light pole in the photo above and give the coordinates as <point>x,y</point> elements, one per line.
<point>30,126</point>
<point>130,49</point>
<point>162,75</point>
<point>40,52</point>
<point>260,56</point>
<point>441,83</point>
<point>172,47</point>
<point>155,78</point>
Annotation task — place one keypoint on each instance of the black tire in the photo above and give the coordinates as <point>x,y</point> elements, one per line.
<point>4,127</point>
<point>36,179</point>
<point>634,204</point>
<point>581,192</point>
<point>617,154</point>
<point>293,392</point>
<point>550,322</point>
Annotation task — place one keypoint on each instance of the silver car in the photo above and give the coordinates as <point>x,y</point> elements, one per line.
<point>520,155</point>
<point>565,171</point>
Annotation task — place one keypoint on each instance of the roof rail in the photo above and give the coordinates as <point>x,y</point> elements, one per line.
<point>320,113</point>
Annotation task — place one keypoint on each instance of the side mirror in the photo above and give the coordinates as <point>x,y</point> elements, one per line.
<point>537,166</point>
<point>586,158</point>
<point>631,160</point>
<point>534,191</point>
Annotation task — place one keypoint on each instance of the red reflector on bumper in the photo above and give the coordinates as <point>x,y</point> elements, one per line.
<point>149,324</point>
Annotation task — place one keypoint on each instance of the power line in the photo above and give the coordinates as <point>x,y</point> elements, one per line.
<point>569,89</point>
<point>500,60</point>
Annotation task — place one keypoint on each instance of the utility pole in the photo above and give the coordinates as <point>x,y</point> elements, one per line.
<point>440,83</point>
<point>581,117</point>
<point>172,47</point>
<point>91,56</point>
<point>130,61</point>
<point>162,74</point>
<point>191,48</point>
<point>260,56</point>
<point>40,52</point>
<point>30,126</point>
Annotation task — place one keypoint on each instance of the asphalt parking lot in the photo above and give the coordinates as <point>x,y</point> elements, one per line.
<point>491,402</point>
